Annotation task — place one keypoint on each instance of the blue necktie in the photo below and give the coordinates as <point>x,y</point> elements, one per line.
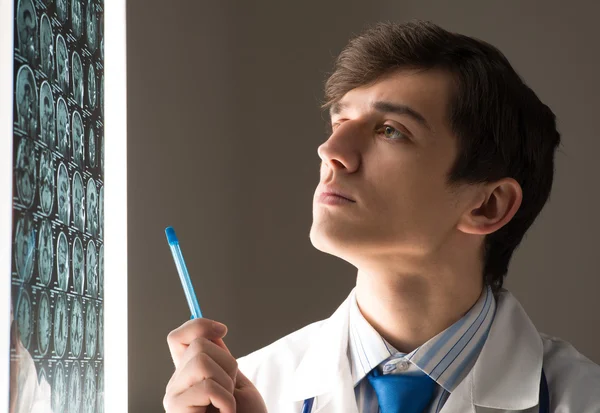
<point>402,393</point>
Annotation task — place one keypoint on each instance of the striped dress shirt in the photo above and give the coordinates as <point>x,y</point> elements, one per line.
<point>446,358</point>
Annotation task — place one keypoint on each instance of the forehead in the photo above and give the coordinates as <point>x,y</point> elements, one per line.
<point>428,92</point>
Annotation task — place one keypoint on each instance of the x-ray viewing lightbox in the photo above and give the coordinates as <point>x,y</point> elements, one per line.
<point>63,208</point>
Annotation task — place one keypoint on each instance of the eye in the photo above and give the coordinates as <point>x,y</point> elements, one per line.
<point>330,127</point>
<point>391,133</point>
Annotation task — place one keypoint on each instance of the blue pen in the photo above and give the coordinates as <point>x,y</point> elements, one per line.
<point>188,289</point>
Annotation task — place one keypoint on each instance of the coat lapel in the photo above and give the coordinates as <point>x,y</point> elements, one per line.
<point>324,371</point>
<point>506,375</point>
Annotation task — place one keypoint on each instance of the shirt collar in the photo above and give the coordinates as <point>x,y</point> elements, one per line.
<point>446,358</point>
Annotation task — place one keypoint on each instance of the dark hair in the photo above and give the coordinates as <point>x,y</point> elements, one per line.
<point>502,127</point>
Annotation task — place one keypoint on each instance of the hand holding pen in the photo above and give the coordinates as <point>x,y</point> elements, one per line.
<point>206,377</point>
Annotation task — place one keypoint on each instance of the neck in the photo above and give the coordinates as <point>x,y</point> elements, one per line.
<point>408,309</point>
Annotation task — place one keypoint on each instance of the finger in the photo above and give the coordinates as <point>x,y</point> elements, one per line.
<point>201,394</point>
<point>181,337</point>
<point>200,368</point>
<point>242,381</point>
<point>219,342</point>
<point>203,346</point>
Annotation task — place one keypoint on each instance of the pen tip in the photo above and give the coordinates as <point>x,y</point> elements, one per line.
<point>171,237</point>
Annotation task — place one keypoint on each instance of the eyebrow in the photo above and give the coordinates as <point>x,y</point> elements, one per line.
<point>387,107</point>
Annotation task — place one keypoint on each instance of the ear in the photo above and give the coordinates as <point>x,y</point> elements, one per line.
<point>497,202</point>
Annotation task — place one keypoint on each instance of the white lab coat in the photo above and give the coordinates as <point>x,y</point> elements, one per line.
<point>313,361</point>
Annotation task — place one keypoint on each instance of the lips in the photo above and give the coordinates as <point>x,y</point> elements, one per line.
<point>325,194</point>
<point>331,191</point>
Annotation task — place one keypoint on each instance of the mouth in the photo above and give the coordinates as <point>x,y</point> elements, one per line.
<point>333,191</point>
<point>331,198</point>
<point>339,195</point>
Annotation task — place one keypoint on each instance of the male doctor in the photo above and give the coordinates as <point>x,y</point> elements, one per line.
<point>439,160</point>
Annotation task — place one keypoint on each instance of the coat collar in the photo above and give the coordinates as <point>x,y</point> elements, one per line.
<point>513,351</point>
<point>513,348</point>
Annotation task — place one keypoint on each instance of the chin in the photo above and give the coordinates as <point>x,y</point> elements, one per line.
<point>332,240</point>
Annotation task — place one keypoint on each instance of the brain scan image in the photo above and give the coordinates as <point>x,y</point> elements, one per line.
<point>27,101</point>
<point>62,63</point>
<point>92,148</point>
<point>44,323</point>
<point>101,332</point>
<point>78,202</point>
<point>24,317</point>
<point>78,146</point>
<point>101,34</point>
<point>24,247</point>
<point>57,251</point>
<point>91,330</point>
<point>27,29</point>
<point>100,391</point>
<point>76,18</point>
<point>63,194</point>
<point>101,212</point>
<point>62,261</point>
<point>91,26</point>
<point>45,252</point>
<point>77,79</point>
<point>42,376</point>
<point>75,388</point>
<point>92,208</point>
<point>76,326</point>
<point>59,388</point>
<point>63,127</point>
<point>78,266</point>
<point>47,118</point>
<point>91,265</point>
<point>91,86</point>
<point>101,271</point>
<point>46,47</point>
<point>61,10</point>
<point>89,389</point>
<point>61,325</point>
<point>25,171</point>
<point>101,144</point>
<point>46,182</point>
<point>101,93</point>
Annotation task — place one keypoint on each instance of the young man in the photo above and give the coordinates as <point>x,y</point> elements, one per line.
<point>439,160</point>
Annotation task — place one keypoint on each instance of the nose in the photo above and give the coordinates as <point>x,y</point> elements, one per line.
<point>342,150</point>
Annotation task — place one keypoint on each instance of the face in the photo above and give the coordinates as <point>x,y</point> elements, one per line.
<point>390,151</point>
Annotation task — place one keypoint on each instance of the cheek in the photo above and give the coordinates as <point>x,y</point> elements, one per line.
<point>415,189</point>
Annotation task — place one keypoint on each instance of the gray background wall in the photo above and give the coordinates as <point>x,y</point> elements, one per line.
<point>223,129</point>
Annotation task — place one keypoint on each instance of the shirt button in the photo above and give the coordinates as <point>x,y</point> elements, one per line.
<point>396,365</point>
<point>402,365</point>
